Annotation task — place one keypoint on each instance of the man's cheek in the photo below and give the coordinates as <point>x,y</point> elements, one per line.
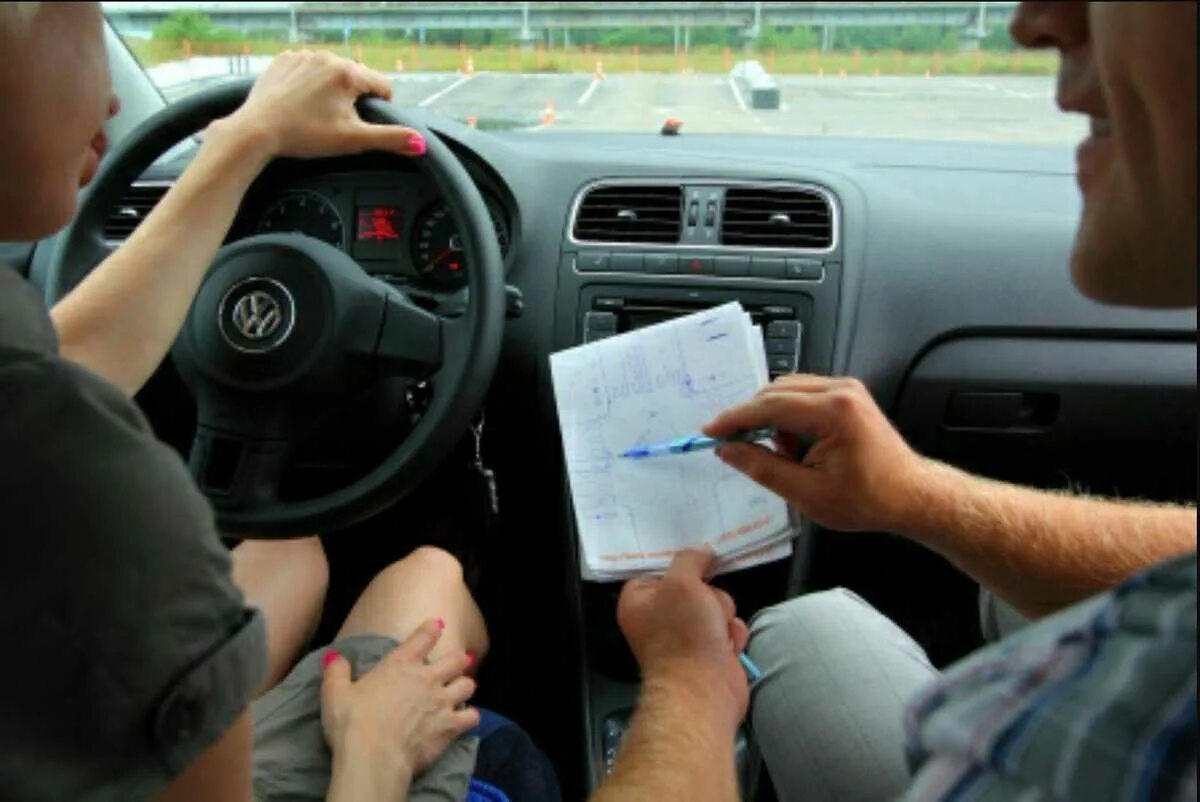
<point>91,163</point>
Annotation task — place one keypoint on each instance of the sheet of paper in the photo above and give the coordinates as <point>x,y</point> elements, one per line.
<point>651,385</point>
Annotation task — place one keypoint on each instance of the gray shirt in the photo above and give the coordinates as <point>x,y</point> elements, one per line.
<point>128,649</point>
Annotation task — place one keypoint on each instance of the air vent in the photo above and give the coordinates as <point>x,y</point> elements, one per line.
<point>137,202</point>
<point>777,217</point>
<point>630,213</point>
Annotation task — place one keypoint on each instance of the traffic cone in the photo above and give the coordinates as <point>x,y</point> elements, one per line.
<point>469,67</point>
<point>549,115</point>
<point>598,75</point>
<point>473,121</point>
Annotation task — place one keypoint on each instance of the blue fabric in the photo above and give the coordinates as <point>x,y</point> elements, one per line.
<point>508,766</point>
<point>482,792</point>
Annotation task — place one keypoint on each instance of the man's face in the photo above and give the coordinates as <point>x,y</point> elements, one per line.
<point>55,95</point>
<point>1131,67</point>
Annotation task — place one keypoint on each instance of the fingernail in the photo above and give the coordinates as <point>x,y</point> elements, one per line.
<point>416,145</point>
<point>470,659</point>
<point>440,623</point>
<point>329,657</point>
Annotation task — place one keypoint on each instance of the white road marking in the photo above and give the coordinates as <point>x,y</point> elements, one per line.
<point>441,93</point>
<point>587,93</point>
<point>737,95</point>
<point>873,93</point>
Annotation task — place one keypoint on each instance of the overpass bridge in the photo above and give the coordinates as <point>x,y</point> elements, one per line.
<point>531,22</point>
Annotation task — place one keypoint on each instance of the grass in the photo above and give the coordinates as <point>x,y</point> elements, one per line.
<point>405,56</point>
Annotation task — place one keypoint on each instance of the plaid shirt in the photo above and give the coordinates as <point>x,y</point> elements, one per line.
<point>1096,703</point>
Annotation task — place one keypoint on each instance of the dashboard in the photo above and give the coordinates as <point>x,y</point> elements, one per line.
<point>943,286</point>
<point>396,227</point>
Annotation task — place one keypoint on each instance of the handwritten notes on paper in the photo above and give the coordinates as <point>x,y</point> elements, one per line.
<point>652,385</point>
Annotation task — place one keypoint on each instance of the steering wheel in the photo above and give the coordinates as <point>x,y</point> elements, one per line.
<point>283,322</point>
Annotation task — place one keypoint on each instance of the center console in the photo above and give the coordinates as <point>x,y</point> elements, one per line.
<point>639,252</point>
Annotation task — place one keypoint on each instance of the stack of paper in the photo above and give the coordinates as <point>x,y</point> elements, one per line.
<point>649,386</point>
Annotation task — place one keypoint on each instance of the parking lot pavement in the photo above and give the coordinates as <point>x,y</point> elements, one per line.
<point>1002,108</point>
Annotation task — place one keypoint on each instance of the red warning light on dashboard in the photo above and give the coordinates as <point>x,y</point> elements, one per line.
<point>378,223</point>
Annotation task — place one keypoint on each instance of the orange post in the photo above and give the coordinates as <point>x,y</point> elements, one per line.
<point>856,65</point>
<point>728,59</point>
<point>187,48</point>
<point>1016,62</point>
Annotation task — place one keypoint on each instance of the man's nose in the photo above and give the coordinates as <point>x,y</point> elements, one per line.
<point>1062,25</point>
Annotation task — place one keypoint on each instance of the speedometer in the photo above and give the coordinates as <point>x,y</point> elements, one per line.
<point>305,212</point>
<point>437,245</point>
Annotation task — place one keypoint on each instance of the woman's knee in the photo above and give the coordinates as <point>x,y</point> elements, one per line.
<point>428,583</point>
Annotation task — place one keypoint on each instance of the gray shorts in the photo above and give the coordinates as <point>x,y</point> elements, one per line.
<point>292,761</point>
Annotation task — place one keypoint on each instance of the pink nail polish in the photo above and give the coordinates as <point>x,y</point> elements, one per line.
<point>470,660</point>
<point>440,623</point>
<point>329,657</point>
<point>416,145</point>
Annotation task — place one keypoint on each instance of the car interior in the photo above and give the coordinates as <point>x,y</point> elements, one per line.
<point>934,272</point>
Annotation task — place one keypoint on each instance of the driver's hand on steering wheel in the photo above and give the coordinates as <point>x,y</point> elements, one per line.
<point>302,107</point>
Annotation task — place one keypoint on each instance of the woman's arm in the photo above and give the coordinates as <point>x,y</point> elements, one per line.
<point>121,320</point>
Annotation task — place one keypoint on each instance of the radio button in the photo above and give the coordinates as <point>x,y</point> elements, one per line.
<point>661,263</point>
<point>591,261</point>
<point>767,267</point>
<point>697,265</point>
<point>733,265</point>
<point>626,262</point>
<point>783,328</point>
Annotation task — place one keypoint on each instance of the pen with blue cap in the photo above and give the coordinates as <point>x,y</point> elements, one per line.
<point>695,442</point>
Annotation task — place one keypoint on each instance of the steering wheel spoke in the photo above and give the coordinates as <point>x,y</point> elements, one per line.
<point>411,340</point>
<point>239,453</point>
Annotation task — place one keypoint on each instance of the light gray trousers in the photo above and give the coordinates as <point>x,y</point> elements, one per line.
<point>828,713</point>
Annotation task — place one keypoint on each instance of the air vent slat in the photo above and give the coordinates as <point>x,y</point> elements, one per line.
<point>777,217</point>
<point>630,213</point>
<point>135,204</point>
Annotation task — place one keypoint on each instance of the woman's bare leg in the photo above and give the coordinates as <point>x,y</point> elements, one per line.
<point>287,580</point>
<point>426,584</point>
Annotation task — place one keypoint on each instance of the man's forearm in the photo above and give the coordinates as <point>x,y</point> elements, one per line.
<point>679,746</point>
<point>1041,551</point>
<point>121,320</point>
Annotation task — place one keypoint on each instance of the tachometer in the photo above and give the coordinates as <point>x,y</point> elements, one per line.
<point>437,245</point>
<point>305,212</point>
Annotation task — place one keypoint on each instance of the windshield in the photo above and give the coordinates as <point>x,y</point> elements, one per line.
<point>931,71</point>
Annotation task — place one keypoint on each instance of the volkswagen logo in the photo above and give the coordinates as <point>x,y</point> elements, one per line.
<point>256,314</point>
